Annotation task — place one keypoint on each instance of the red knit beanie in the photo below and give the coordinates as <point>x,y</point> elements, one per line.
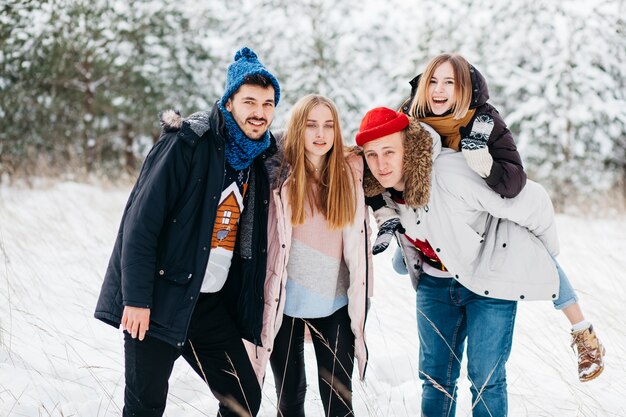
<point>380,122</point>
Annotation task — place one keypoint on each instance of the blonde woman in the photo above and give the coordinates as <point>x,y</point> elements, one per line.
<point>319,262</point>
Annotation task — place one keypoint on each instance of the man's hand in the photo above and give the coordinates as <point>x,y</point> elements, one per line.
<point>136,320</point>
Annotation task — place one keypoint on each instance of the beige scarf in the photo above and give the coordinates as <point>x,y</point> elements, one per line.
<point>449,128</point>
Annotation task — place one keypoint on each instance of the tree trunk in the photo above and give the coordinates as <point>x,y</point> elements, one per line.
<point>129,155</point>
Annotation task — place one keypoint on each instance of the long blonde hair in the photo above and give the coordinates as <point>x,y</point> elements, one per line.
<point>335,197</point>
<point>420,106</point>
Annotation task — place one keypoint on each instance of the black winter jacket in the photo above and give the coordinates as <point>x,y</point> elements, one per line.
<point>507,176</point>
<point>163,243</point>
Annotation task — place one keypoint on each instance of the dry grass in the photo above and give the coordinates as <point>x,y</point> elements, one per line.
<point>56,359</point>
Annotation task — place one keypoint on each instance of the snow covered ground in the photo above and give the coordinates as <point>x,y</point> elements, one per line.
<point>57,360</point>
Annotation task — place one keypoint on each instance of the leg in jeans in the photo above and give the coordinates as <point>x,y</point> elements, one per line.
<point>441,326</point>
<point>490,324</point>
<point>149,364</point>
<point>287,361</point>
<point>567,295</point>
<point>215,351</point>
<point>333,341</point>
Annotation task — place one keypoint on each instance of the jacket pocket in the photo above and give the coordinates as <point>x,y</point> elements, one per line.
<point>178,278</point>
<point>170,295</point>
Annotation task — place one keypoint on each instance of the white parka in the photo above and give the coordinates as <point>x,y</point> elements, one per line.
<point>357,256</point>
<point>494,246</point>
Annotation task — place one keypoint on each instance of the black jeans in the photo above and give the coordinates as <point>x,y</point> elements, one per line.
<point>333,341</point>
<point>216,341</point>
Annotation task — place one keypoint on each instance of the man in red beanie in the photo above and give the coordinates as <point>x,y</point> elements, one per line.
<point>470,254</point>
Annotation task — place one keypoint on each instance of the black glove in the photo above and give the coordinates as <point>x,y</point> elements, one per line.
<point>385,233</point>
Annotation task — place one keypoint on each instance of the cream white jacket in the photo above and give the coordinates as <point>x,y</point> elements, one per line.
<point>494,246</point>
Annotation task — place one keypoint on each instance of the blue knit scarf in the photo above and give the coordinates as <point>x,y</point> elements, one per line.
<point>241,150</point>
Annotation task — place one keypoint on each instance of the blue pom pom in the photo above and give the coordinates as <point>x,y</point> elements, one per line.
<point>245,52</point>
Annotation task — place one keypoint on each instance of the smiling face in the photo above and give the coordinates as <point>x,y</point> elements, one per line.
<point>252,107</point>
<point>385,157</point>
<point>319,134</point>
<point>441,96</point>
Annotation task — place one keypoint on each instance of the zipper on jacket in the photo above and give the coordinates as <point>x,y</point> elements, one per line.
<point>366,293</point>
<point>216,204</point>
<point>284,253</point>
<point>260,292</point>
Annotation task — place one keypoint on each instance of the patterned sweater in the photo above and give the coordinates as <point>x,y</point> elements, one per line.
<point>317,276</point>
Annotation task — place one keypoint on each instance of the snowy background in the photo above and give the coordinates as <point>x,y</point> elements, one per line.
<point>57,360</point>
<point>82,82</point>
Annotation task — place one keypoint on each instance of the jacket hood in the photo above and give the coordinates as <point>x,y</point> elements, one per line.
<point>480,91</point>
<point>193,127</point>
<point>420,149</point>
<point>276,171</point>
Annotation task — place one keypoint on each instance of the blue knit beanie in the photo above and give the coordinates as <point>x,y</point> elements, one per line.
<point>246,63</point>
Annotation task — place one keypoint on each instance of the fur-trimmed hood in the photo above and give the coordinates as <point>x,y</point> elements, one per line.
<point>421,147</point>
<point>171,120</point>
<point>199,122</point>
<point>194,126</point>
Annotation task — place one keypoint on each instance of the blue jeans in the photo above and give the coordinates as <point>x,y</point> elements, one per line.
<point>567,296</point>
<point>448,315</point>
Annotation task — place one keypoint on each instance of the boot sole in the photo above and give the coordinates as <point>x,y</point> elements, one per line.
<point>597,374</point>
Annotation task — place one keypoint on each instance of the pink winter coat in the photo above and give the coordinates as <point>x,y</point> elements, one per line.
<point>357,256</point>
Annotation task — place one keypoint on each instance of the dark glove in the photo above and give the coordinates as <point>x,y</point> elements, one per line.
<point>385,233</point>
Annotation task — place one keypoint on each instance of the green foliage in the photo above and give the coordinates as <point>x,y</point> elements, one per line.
<point>83,81</point>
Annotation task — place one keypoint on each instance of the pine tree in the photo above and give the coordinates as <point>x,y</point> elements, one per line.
<point>83,87</point>
<point>560,68</point>
<point>344,50</point>
<point>555,72</point>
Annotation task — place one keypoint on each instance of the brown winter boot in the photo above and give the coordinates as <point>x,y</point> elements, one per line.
<point>590,354</point>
